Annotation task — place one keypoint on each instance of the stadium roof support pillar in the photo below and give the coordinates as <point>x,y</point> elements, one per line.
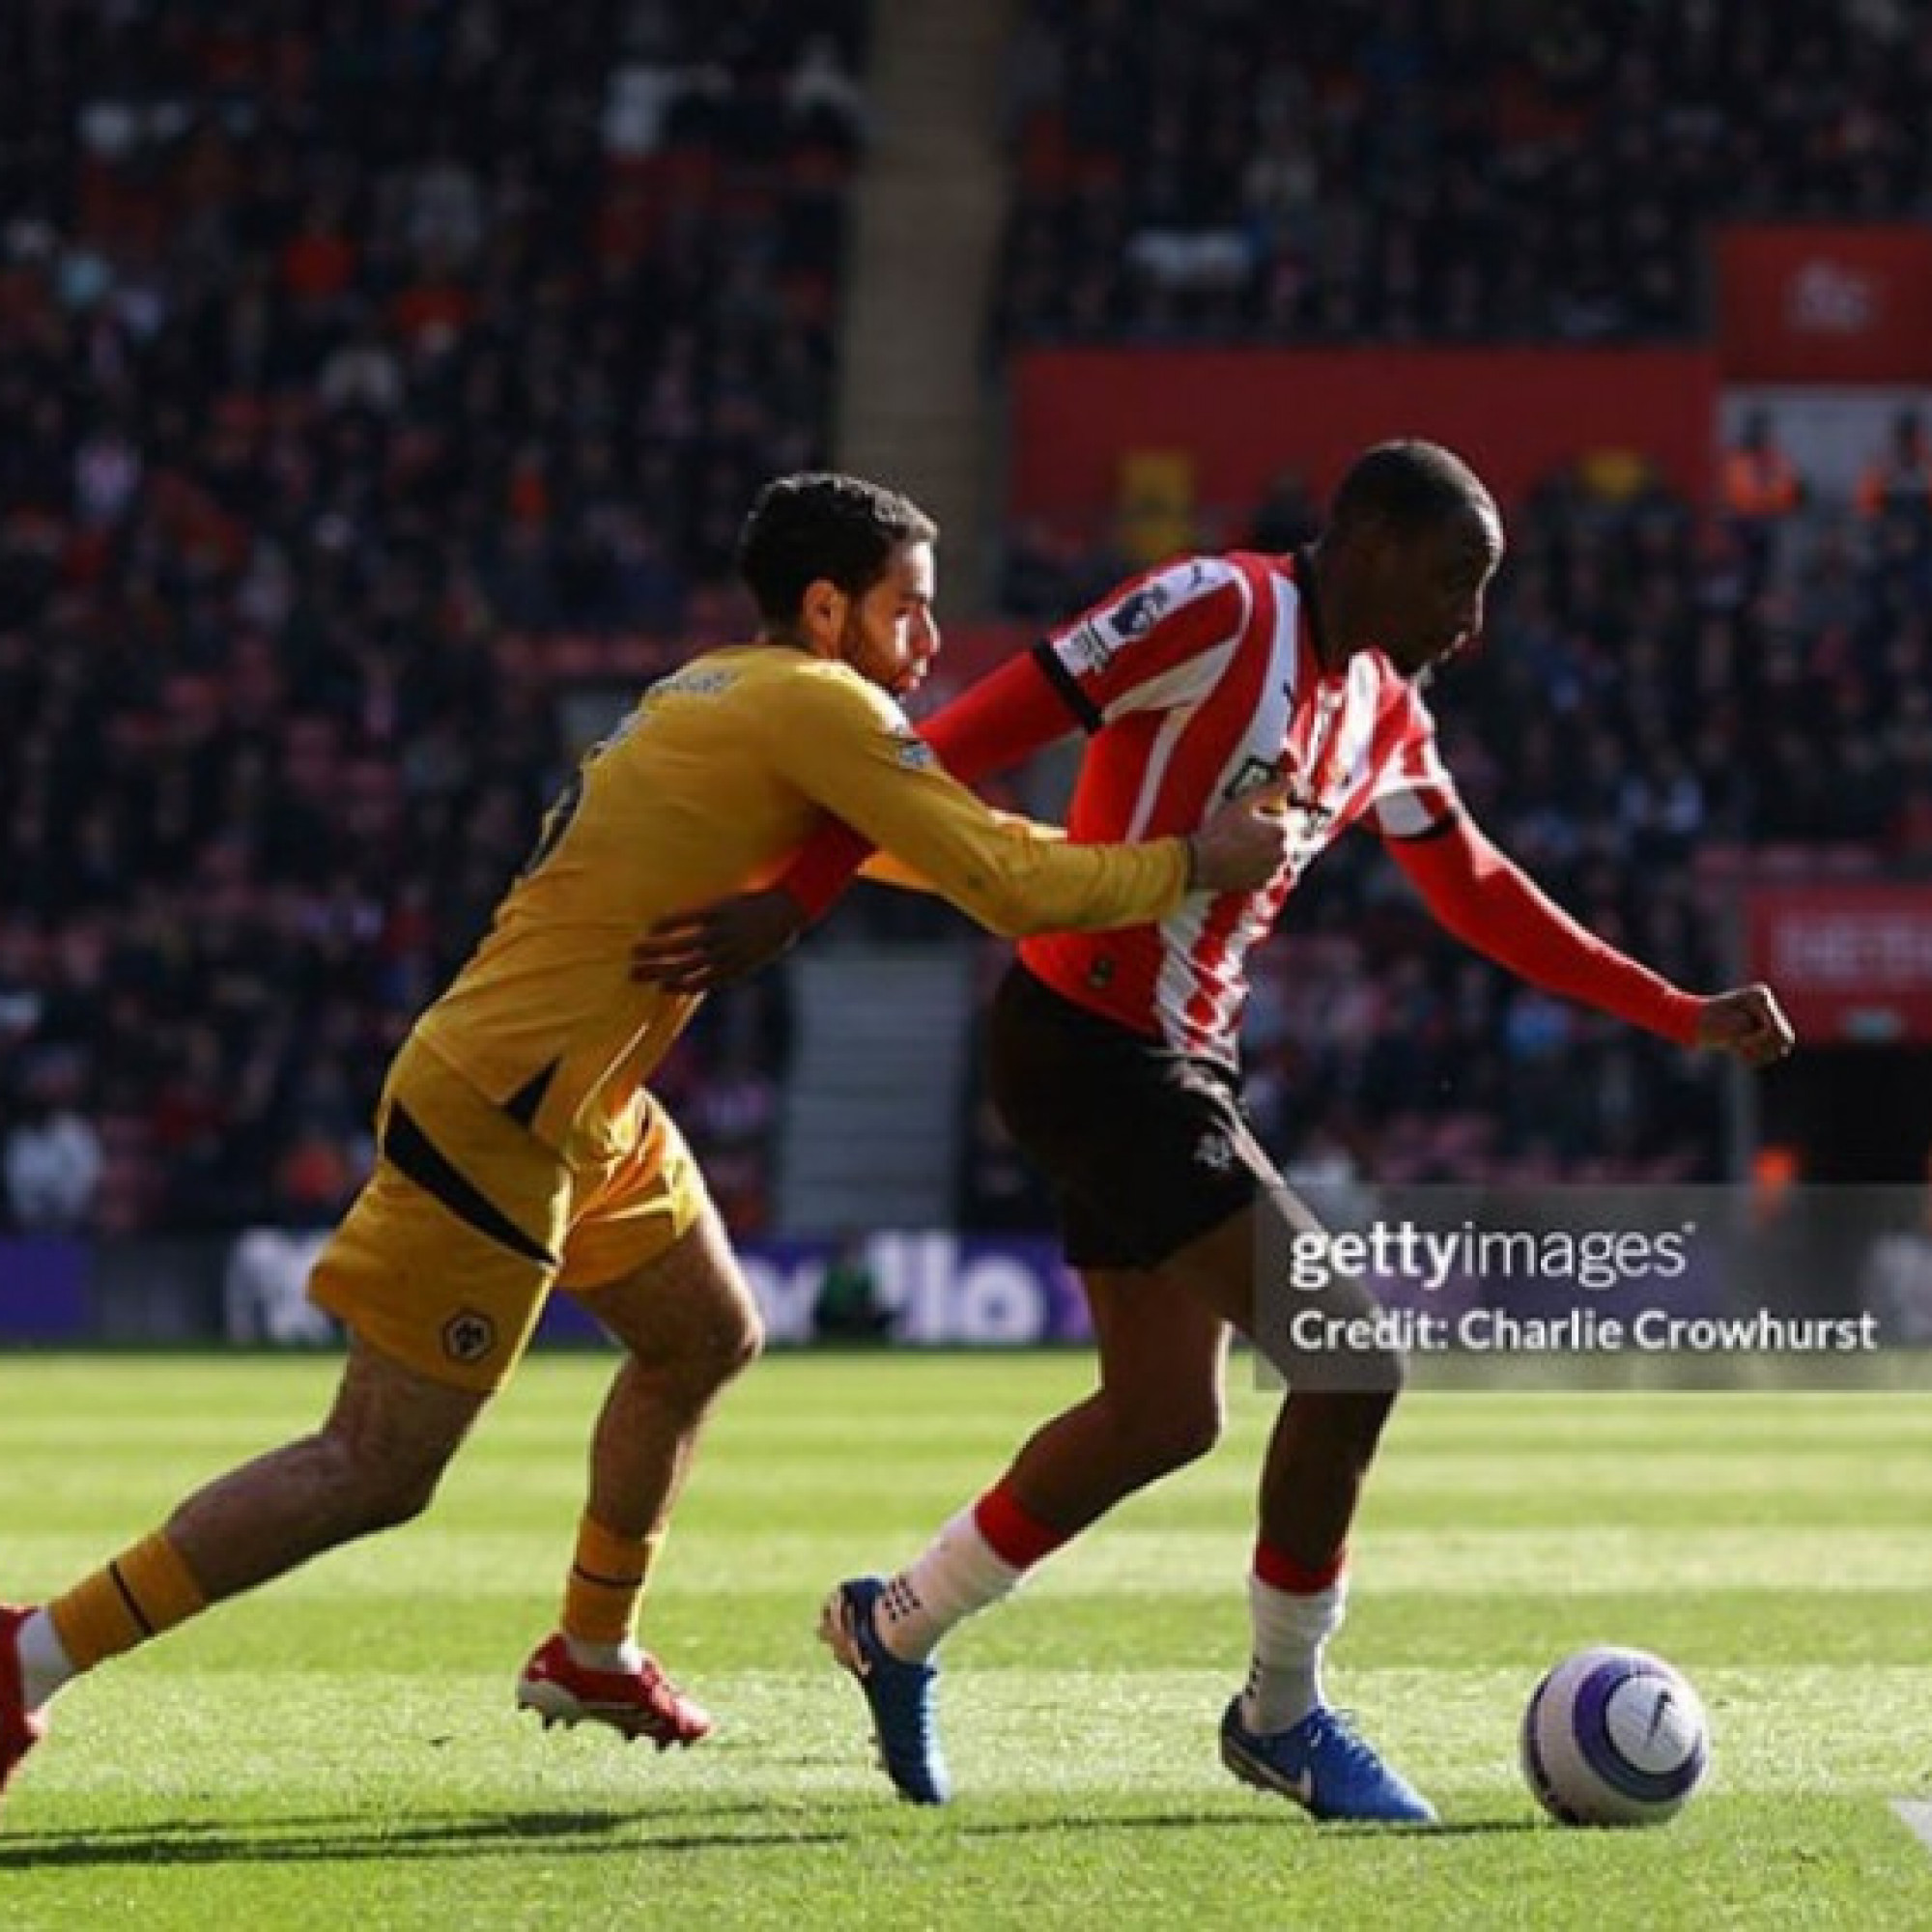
<point>926,231</point>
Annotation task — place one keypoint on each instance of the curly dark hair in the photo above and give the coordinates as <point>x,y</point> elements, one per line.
<point>820,523</point>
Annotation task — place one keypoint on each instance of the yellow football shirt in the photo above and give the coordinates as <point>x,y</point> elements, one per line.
<point>706,789</point>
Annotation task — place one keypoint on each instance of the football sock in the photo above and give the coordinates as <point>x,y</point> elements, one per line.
<point>600,1598</point>
<point>975,1559</point>
<point>141,1593</point>
<point>44,1665</point>
<point>1295,1611</point>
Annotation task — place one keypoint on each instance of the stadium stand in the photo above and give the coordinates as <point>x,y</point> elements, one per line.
<point>377,375</point>
<point>368,372</point>
<point>1405,169</point>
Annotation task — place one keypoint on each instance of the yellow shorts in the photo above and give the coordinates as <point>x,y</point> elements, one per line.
<point>445,1257</point>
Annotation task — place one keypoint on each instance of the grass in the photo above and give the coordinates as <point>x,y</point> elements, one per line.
<point>341,1749</point>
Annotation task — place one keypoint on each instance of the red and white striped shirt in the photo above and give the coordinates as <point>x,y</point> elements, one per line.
<point>1198,681</point>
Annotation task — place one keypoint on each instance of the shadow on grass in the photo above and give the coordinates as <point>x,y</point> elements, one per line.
<point>1277,1822</point>
<point>738,1825</point>
<point>351,1837</point>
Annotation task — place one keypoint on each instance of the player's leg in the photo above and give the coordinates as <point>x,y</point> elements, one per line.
<point>1159,1405</point>
<point>439,1270</point>
<point>1281,1732</point>
<point>688,1323</point>
<point>1088,1104</point>
<point>1156,1151</point>
<point>373,1463</point>
<point>1156,1407</point>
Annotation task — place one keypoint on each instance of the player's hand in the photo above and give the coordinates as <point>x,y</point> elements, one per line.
<point>1244,843</point>
<point>1748,1022</point>
<point>709,946</point>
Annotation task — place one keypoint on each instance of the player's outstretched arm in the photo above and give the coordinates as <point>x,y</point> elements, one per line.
<point>1241,847</point>
<point>992,725</point>
<point>1491,905</point>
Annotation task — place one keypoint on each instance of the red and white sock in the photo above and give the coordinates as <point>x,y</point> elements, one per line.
<point>975,1559</point>
<point>1295,1611</point>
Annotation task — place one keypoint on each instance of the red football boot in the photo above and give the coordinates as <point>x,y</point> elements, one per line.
<point>20,1730</point>
<point>640,1703</point>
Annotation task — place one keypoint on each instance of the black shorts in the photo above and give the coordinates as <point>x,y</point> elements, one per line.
<point>1145,1149</point>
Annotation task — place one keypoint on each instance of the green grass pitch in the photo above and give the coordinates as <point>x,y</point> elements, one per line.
<point>341,1751</point>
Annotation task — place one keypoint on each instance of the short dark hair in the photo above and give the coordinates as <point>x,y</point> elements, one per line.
<point>819,524</point>
<point>1411,486</point>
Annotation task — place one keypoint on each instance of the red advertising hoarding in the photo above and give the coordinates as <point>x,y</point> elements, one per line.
<point>1852,962</point>
<point>1823,304</point>
<point>1245,414</point>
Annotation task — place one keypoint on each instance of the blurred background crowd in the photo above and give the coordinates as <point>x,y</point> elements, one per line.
<point>1472,170</point>
<point>377,374</point>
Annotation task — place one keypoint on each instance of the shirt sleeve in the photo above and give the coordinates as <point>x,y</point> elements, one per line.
<point>1414,797</point>
<point>850,749</point>
<point>1490,903</point>
<point>998,721</point>
<point>881,869</point>
<point>1158,641</point>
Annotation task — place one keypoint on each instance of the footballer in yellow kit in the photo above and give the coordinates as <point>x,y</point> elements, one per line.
<point>517,1147</point>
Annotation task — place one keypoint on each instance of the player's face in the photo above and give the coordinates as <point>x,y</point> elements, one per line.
<point>889,634</point>
<point>1432,590</point>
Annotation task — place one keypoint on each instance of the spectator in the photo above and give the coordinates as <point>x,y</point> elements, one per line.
<point>53,1156</point>
<point>847,1307</point>
<point>1762,492</point>
<point>1895,489</point>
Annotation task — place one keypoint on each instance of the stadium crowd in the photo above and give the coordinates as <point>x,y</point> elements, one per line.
<point>1472,170</point>
<point>343,444</point>
<point>348,352</point>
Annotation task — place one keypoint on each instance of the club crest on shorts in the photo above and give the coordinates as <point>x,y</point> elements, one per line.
<point>468,1335</point>
<point>1215,1151</point>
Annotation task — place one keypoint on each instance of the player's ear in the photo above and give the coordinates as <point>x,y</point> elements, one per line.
<point>821,615</point>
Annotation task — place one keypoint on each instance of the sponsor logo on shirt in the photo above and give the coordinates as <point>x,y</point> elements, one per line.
<point>1309,817</point>
<point>1252,775</point>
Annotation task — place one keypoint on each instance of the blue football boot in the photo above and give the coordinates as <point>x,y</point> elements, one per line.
<point>901,1696</point>
<point>1325,1765</point>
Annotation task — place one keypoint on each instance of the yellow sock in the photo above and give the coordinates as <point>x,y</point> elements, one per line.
<point>606,1577</point>
<point>141,1593</point>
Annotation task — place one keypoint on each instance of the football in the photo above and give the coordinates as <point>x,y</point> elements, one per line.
<point>1614,1737</point>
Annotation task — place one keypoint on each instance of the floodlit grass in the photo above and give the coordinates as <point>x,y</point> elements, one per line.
<point>341,1749</point>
